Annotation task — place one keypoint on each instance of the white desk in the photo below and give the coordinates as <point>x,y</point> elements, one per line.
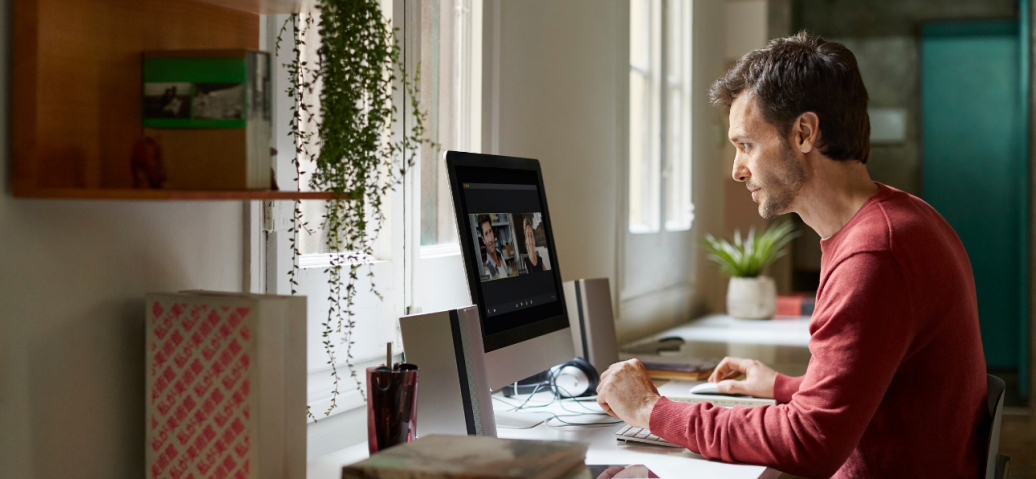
<point>781,343</point>
<point>604,449</point>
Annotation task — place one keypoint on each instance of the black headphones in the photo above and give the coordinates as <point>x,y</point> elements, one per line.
<point>576,378</point>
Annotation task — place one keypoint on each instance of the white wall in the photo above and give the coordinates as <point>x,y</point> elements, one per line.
<point>563,82</point>
<point>710,139</point>
<point>558,103</point>
<point>73,275</point>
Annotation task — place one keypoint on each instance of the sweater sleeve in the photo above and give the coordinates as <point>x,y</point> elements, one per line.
<point>785,386</point>
<point>861,331</point>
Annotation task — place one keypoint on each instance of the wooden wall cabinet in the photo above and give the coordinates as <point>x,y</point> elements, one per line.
<point>76,88</point>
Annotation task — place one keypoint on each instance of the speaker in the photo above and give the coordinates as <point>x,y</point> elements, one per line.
<point>453,395</point>
<point>590,315</point>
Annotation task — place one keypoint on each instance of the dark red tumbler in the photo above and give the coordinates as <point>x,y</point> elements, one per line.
<point>391,406</point>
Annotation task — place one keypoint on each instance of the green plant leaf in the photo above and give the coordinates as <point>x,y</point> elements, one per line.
<point>752,255</point>
<point>358,64</point>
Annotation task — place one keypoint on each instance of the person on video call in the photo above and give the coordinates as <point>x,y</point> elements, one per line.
<point>533,263</point>
<point>896,385</point>
<point>494,265</point>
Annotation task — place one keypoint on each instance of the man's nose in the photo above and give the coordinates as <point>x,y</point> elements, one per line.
<point>740,172</point>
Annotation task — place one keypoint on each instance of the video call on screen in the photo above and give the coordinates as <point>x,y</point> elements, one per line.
<point>507,227</point>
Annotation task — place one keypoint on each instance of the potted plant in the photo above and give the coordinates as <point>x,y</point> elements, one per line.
<point>750,295</point>
<point>343,123</point>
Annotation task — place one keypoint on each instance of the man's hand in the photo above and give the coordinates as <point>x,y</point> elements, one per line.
<point>627,393</point>
<point>758,383</point>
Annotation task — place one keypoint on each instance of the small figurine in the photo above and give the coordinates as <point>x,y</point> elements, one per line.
<point>147,165</point>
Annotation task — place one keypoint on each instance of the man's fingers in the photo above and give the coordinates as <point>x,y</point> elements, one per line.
<point>717,373</point>
<point>731,387</point>
<point>730,368</point>
<point>611,370</point>
<point>601,401</point>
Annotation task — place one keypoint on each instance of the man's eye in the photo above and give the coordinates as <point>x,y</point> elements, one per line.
<point>744,146</point>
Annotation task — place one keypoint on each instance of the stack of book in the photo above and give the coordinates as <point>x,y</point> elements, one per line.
<point>674,366</point>
<point>464,457</point>
<point>225,386</point>
<point>690,369</point>
<point>795,304</point>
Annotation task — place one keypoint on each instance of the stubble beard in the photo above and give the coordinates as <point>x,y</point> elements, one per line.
<point>785,188</point>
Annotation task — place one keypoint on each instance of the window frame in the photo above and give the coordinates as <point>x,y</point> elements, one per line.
<point>268,235</point>
<point>664,161</point>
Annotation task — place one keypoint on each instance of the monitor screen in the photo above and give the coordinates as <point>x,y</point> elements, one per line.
<point>508,247</point>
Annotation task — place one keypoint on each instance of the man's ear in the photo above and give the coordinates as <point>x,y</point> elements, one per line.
<point>806,131</point>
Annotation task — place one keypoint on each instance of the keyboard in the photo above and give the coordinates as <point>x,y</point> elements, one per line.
<point>635,434</point>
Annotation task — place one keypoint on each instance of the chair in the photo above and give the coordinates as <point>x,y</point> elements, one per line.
<point>996,465</point>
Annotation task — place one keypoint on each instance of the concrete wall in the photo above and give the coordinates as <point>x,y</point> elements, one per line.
<point>884,37</point>
<point>73,275</point>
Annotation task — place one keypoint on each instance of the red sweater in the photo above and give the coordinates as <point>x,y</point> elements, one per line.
<point>896,386</point>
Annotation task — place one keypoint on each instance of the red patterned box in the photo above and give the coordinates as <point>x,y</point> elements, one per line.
<point>225,388</point>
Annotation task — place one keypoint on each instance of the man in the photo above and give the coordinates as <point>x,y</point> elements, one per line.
<point>494,266</point>
<point>896,386</point>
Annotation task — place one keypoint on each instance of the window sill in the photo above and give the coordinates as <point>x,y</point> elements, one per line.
<point>334,439</point>
<point>440,250</point>
<point>330,465</point>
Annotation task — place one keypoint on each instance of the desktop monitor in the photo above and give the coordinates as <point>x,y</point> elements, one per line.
<point>511,263</point>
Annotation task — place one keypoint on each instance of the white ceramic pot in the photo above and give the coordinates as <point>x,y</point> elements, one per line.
<point>752,298</point>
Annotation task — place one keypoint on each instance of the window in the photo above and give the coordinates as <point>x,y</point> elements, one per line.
<point>416,262</point>
<point>446,36</point>
<point>375,314</point>
<point>660,116</point>
<point>450,93</point>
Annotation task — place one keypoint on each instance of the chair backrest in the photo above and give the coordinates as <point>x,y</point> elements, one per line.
<point>995,396</point>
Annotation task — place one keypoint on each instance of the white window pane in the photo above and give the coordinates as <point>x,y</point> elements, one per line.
<point>679,211</point>
<point>644,186</point>
<point>674,47</point>
<point>645,123</point>
<point>678,175</point>
<point>451,95</point>
<point>638,148</point>
<point>639,29</point>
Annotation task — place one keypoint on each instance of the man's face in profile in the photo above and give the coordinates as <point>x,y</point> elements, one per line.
<point>488,238</point>
<point>765,161</point>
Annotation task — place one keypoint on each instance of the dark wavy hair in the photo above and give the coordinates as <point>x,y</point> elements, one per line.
<point>801,73</point>
<point>484,219</point>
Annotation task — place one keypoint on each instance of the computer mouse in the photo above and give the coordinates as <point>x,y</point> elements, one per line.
<point>712,389</point>
<point>670,338</point>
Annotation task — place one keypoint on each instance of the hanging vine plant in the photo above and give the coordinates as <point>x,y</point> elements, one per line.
<point>342,121</point>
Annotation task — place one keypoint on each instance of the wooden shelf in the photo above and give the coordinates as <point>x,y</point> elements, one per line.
<point>155,195</point>
<point>265,7</point>
<point>76,83</point>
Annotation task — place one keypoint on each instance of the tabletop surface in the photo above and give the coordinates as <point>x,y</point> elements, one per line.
<point>604,449</point>
<point>781,343</point>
